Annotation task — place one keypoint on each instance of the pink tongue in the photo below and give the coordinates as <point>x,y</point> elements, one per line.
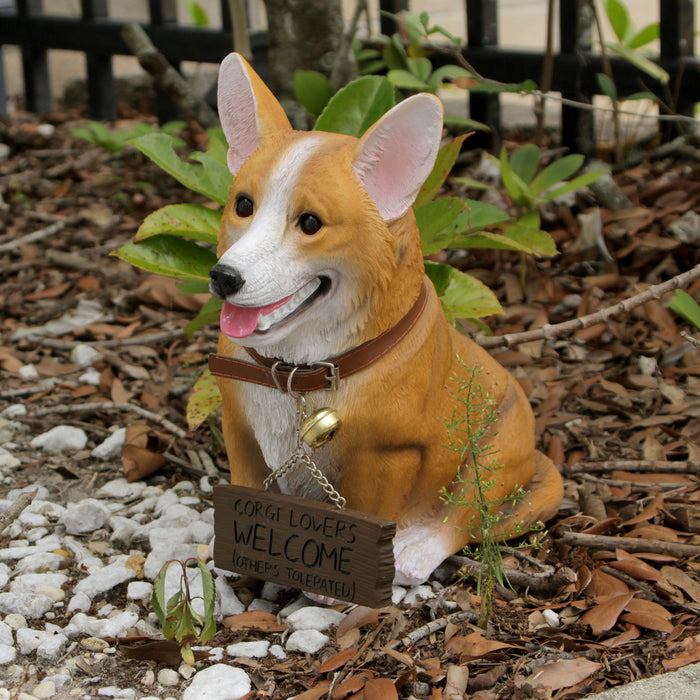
<point>241,321</point>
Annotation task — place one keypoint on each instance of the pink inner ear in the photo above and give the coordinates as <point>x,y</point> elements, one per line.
<point>398,153</point>
<point>237,111</point>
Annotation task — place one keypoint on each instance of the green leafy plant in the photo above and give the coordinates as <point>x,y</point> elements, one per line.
<point>469,430</point>
<point>177,616</point>
<point>686,307</point>
<point>197,13</point>
<point>116,140</point>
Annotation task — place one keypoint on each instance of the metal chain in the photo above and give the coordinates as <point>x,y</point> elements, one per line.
<point>300,457</point>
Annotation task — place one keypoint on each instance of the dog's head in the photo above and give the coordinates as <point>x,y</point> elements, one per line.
<point>310,234</point>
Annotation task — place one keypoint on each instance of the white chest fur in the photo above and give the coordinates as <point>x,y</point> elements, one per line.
<point>274,419</point>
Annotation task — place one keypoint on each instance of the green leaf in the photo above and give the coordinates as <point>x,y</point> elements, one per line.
<point>645,36</point>
<point>556,172</point>
<point>158,596</point>
<point>438,222</point>
<point>187,654</point>
<point>357,106</point>
<point>193,286</point>
<point>213,181</point>
<point>461,295</point>
<point>686,307</point>
<point>607,86</point>
<point>420,67</point>
<point>394,54</point>
<point>465,122</point>
<point>641,96</point>
<point>517,189</point>
<point>207,316</point>
<point>193,221</point>
<point>524,162</point>
<point>641,62</point>
<point>446,157</point>
<point>170,256</point>
<point>517,238</point>
<point>217,147</point>
<point>203,399</point>
<point>312,90</point>
<point>209,595</point>
<point>576,184</point>
<point>197,13</point>
<point>479,215</point>
<point>404,80</point>
<point>619,19</point>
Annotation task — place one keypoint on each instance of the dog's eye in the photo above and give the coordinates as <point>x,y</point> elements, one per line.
<point>244,207</point>
<point>310,224</point>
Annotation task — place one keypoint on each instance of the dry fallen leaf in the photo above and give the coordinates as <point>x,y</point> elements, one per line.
<point>564,673</point>
<point>680,579</point>
<point>603,616</point>
<point>650,622</point>
<point>380,689</point>
<point>604,585</point>
<point>338,660</point>
<point>473,645</point>
<point>319,691</point>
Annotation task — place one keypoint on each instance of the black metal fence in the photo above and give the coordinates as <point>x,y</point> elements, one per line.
<point>575,65</point>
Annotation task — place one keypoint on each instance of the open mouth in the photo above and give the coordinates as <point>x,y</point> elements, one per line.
<point>243,321</point>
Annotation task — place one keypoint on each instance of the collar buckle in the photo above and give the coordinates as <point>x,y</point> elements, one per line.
<point>333,376</point>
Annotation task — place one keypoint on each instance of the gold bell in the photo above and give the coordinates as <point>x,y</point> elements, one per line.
<point>320,427</point>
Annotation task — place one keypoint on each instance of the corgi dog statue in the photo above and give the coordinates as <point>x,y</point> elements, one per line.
<point>325,295</point>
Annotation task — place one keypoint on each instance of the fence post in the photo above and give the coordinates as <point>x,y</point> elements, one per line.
<point>387,25</point>
<point>163,12</point>
<point>35,65</point>
<point>102,94</point>
<point>482,32</point>
<point>677,20</point>
<point>577,125</point>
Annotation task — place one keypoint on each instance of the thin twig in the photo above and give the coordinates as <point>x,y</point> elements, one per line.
<point>632,465</point>
<point>540,582</point>
<point>550,331</point>
<point>49,230</point>
<point>108,407</point>
<point>629,544</point>
<point>8,516</point>
<point>435,626</point>
<point>637,484</point>
<point>149,339</point>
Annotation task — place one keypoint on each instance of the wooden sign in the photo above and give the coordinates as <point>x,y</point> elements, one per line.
<point>309,545</point>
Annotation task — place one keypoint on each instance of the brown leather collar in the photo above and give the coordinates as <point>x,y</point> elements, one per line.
<point>318,375</point>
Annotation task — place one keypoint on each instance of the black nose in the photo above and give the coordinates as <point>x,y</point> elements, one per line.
<point>224,281</point>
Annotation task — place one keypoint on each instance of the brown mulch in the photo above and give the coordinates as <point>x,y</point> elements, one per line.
<point>617,408</point>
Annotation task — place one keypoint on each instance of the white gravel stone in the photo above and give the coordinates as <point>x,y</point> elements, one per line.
<point>116,626</point>
<point>7,654</point>
<point>83,355</point>
<point>53,648</point>
<point>277,651</point>
<point>85,516</point>
<point>205,485</point>
<point>123,530</point>
<point>8,461</point>
<point>90,376</point>
<point>273,591</point>
<point>314,618</point>
<point>56,594</point>
<point>139,590</point>
<point>398,593</point>
<point>32,519</point>
<point>14,410</point>
<point>230,604</point>
<point>15,621</point>
<point>45,689</point>
<point>171,550</point>
<point>168,677</point>
<point>260,604</point>
<point>306,641</point>
<point>39,562</point>
<point>111,448</point>
<point>112,691</point>
<point>28,605</point>
<point>107,578</point>
<point>201,532</point>
<point>29,639</point>
<point>60,439</point>
<point>28,372</point>
<point>218,682</point>
<point>51,511</point>
<point>80,602</point>
<point>253,650</point>
<point>122,489</point>
<point>166,501</point>
<point>4,575</point>
<point>5,633</point>
<point>418,593</point>
<point>28,583</point>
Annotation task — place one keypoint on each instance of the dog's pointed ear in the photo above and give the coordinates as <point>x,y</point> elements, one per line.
<point>397,154</point>
<point>248,110</point>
